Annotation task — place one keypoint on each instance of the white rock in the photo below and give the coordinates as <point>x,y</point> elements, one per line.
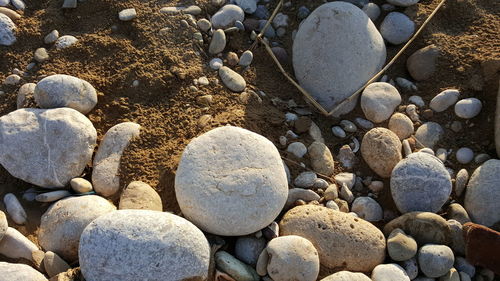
<point>389,272</point>
<point>401,125</point>
<point>65,41</point>
<point>230,175</point>
<point>411,110</point>
<point>444,100</point>
<point>215,63</point>
<point>19,272</point>
<point>420,182</point>
<point>63,223</point>
<point>25,94</point>
<point>218,42</point>
<point>464,155</point>
<point>65,91</point>
<point>246,58</point>
<point>127,14</point>
<point>429,134</point>
<point>305,179</point>
<point>468,108</point>
<point>298,149</point>
<point>379,100</point>
<point>397,28</point>
<point>46,147</point>
<point>12,79</point>
<point>346,276</point>
<point>14,245</point>
<point>227,16</point>
<point>51,37</point>
<point>372,10</point>
<point>417,100</point>
<point>482,194</point>
<point>105,173</point>
<point>346,193</point>
<point>4,3</point>
<point>233,80</point>
<point>248,6</point>
<point>19,4</point>
<point>81,185</point>
<point>346,178</point>
<point>7,31</point>
<point>52,196</point>
<point>367,209</point>
<point>322,39</point>
<point>15,209</point>
<point>130,245</point>
<point>461,181</point>
<point>435,260</point>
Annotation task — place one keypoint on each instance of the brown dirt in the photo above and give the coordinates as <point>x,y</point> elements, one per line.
<point>466,31</point>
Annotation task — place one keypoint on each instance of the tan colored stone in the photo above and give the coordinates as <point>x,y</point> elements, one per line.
<point>381,150</point>
<point>139,195</point>
<point>321,158</point>
<point>424,227</point>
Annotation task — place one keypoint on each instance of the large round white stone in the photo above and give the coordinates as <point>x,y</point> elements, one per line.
<point>337,49</point>
<point>19,272</point>
<point>231,182</point>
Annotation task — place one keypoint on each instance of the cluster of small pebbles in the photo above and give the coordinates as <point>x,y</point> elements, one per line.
<point>245,214</point>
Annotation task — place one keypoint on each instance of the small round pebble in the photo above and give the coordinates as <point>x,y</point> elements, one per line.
<point>218,42</point>
<point>297,148</point>
<point>127,14</point>
<point>246,58</point>
<point>12,79</point>
<point>435,260</point>
<point>464,155</point>
<point>51,37</point>
<point>401,125</point>
<point>389,272</point>
<point>348,126</point>
<point>338,132</point>
<point>468,108</point>
<point>204,25</point>
<point>41,55</point>
<point>397,28</point>
<point>400,246</point>
<point>372,10</point>
<point>411,267</point>
<point>80,185</point>
<point>444,100</point>
<point>215,63</point>
<point>367,209</point>
<point>65,41</point>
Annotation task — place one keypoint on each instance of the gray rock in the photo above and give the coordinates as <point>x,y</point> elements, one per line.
<point>348,126</point>
<point>248,249</point>
<point>18,4</point>
<point>53,264</point>
<point>232,79</point>
<point>297,149</point>
<point>105,172</point>
<point>81,185</point>
<point>215,63</point>
<point>468,108</point>
<point>346,276</point>
<point>451,275</point>
<point>379,100</point>
<point>464,155</point>
<point>429,134</point>
<point>497,124</point>
<point>461,264</point>
<point>204,25</point>
<point>389,272</point>
<point>321,158</point>
<point>46,147</point>
<point>456,212</point>
<point>403,3</point>
<point>321,40</point>
<point>397,28</point>
<point>41,55</point>
<point>400,246</point>
<point>401,125</point>
<point>363,123</point>
<point>25,95</point>
<point>422,64</point>
<point>411,267</point>
<point>424,227</point>
<point>372,10</point>
<point>15,245</point>
<point>338,132</point>
<point>52,196</point>
<point>235,268</point>
<point>15,209</point>
<point>227,16</point>
<point>63,223</point>
<point>417,100</point>
<point>7,31</point>
<point>246,58</point>
<point>51,37</point>
<point>435,260</point>
<point>65,91</point>
<point>346,157</point>
<point>19,272</point>
<point>127,14</point>
<point>139,195</point>
<point>305,179</point>
<point>444,100</point>
<point>482,194</point>
<point>346,193</point>
<point>65,41</point>
<point>367,209</point>
<point>131,245</point>
<point>218,42</point>
<point>420,182</point>
<point>349,179</point>
<point>229,175</point>
<point>248,6</point>
<point>295,194</point>
<point>12,79</point>
<point>381,150</point>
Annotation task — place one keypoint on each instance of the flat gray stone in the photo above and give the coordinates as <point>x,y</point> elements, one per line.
<point>19,272</point>
<point>444,100</point>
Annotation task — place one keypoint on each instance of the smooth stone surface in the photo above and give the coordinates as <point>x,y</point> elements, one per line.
<point>204,24</point>
<point>468,108</point>
<point>403,3</point>
<point>46,147</point>
<point>233,80</point>
<point>139,195</point>
<point>132,245</point>
<point>464,155</point>
<point>63,223</point>
<point>462,265</point>
<point>367,209</point>
<point>400,246</point>
<point>322,39</point>
<point>7,31</point>
<point>444,100</point>
<point>411,267</point>
<point>8,12</point>
<point>379,100</point>
<point>359,246</point>
<point>321,158</point>
<point>422,64</point>
<point>81,185</point>
<point>389,272</point>
<point>401,125</point>
<point>451,275</point>
<point>65,41</point>
<point>372,10</point>
<point>482,195</point>
<point>457,237</point>
<point>346,276</point>
<point>429,134</point>
<point>41,55</point>
<point>338,132</point>
<point>248,6</point>
<point>18,4</point>
<point>53,264</point>
<point>227,16</point>
<point>127,14</point>
<point>420,182</point>
<point>298,149</point>
<point>397,28</point>
<point>15,209</point>
<point>381,149</point>
<point>25,95</point>
<point>215,63</point>
<point>305,179</point>
<point>105,172</point>
<point>15,245</point>
<point>230,175</point>
<point>248,248</point>
<point>65,91</point>
<point>19,272</point>
<point>235,268</point>
<point>218,42</point>
<point>52,196</point>
<point>3,224</point>
<point>456,212</point>
<point>435,260</point>
<point>417,100</point>
<point>246,58</point>
<point>51,37</point>
<point>295,194</point>
<point>424,227</point>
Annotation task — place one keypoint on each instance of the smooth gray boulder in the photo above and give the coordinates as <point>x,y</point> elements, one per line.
<point>65,91</point>
<point>231,182</point>
<point>140,195</point>
<point>105,172</point>
<point>420,182</point>
<point>63,223</point>
<point>482,195</point>
<point>7,31</point>
<point>46,147</point>
<point>19,272</point>
<point>322,39</point>
<point>129,245</point>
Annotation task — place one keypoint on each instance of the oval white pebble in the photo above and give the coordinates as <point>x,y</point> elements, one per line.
<point>468,108</point>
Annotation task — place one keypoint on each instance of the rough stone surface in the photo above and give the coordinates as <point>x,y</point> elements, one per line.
<point>389,272</point>
<point>132,245</point>
<point>435,260</point>
<point>429,134</point>
<point>381,149</point>
<point>397,28</point>
<point>444,100</point>
<point>3,224</point>
<point>65,91</point>
<point>322,39</point>
<point>424,227</point>
<point>7,30</point>
<point>19,272</point>
<point>482,195</point>
<point>401,125</point>
<point>346,276</point>
<point>139,195</point>
<point>411,267</point>
<point>46,147</point>
<point>379,100</point>
<point>25,95</point>
<point>63,223</point>
<point>230,175</point>
<point>359,245</point>
<point>227,16</point>
<point>321,158</point>
<point>232,79</point>
<point>15,245</point>
<point>420,182</point>
<point>105,172</point>
<point>400,246</point>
